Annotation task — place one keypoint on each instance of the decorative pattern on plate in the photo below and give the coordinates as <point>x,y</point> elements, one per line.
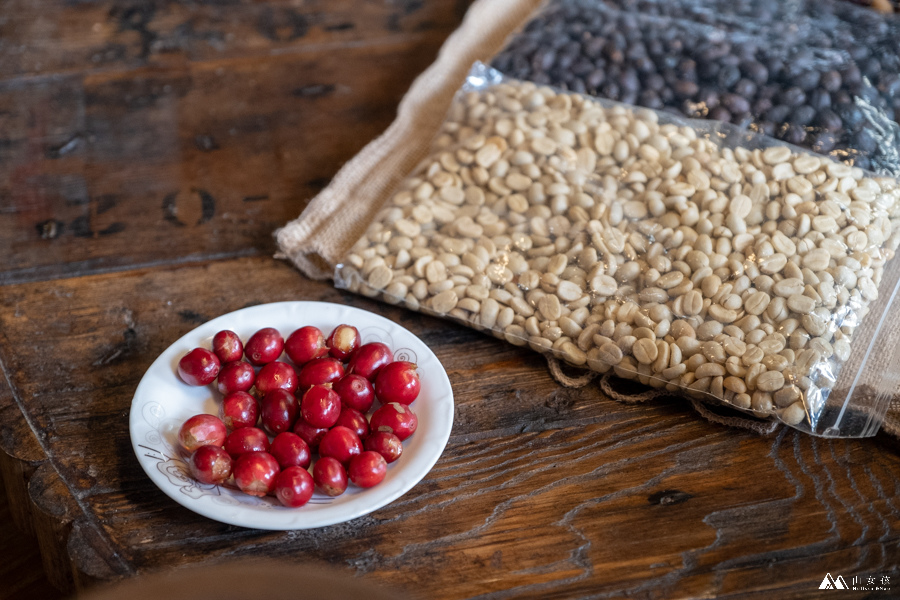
<point>177,471</point>
<point>377,334</point>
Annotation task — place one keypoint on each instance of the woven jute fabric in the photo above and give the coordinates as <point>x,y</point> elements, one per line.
<point>891,423</point>
<point>337,217</point>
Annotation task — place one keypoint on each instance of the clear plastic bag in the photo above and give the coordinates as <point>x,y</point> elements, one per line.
<point>821,74</point>
<point>689,255</point>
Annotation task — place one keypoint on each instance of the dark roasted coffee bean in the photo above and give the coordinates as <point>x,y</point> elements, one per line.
<point>644,65</point>
<point>890,86</point>
<point>794,67</point>
<point>654,81</point>
<point>610,89</point>
<point>565,61</point>
<point>629,81</point>
<point>708,69</point>
<point>636,51</point>
<point>870,95</point>
<point>650,99</point>
<point>742,120</point>
<point>766,128</point>
<point>775,65</point>
<point>793,134</point>
<point>613,53</point>
<point>807,80</point>
<point>544,60</point>
<point>778,113</point>
<point>596,79</point>
<point>735,103</point>
<point>728,76</point>
<point>851,115</point>
<point>756,72</point>
<point>582,68</point>
<point>709,98</point>
<point>831,81</point>
<point>802,115</point>
<point>720,114</point>
<point>685,89</point>
<point>792,96</point>
<point>819,99</point>
<point>851,75</point>
<point>870,67</point>
<point>687,66</point>
<point>746,88</point>
<point>823,142</point>
<point>864,141</point>
<point>841,97</point>
<point>670,75</point>
<point>593,48</point>
<point>761,106</point>
<point>828,119</point>
<point>769,92</point>
<point>730,60</point>
<point>858,53</point>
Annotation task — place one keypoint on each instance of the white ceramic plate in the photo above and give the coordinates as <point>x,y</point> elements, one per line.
<point>162,402</point>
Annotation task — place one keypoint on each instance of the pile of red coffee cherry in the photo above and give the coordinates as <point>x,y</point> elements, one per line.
<point>276,414</point>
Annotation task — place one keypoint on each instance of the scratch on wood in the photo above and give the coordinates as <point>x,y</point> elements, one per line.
<point>124,348</point>
<point>284,25</point>
<point>137,18</point>
<point>340,27</point>
<point>668,497</point>
<point>170,209</point>
<point>206,143</point>
<point>319,183</point>
<point>64,149</point>
<point>50,229</point>
<point>192,317</point>
<point>207,206</point>
<point>316,90</point>
<point>116,227</point>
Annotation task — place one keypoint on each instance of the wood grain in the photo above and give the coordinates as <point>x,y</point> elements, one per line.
<point>52,36</point>
<point>164,160</point>
<point>147,152</point>
<point>20,562</point>
<point>542,491</point>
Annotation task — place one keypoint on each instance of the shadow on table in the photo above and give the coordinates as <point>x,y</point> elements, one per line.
<point>248,579</point>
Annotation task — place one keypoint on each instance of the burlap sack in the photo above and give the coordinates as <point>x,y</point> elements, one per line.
<point>336,218</point>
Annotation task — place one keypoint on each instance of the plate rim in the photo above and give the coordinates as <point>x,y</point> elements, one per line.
<point>444,410</point>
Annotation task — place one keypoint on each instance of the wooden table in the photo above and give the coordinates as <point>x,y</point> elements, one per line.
<point>149,149</point>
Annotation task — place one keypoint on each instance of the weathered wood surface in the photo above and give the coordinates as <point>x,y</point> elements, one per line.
<point>199,129</point>
<point>58,36</point>
<point>20,562</point>
<point>541,492</point>
<point>148,150</point>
